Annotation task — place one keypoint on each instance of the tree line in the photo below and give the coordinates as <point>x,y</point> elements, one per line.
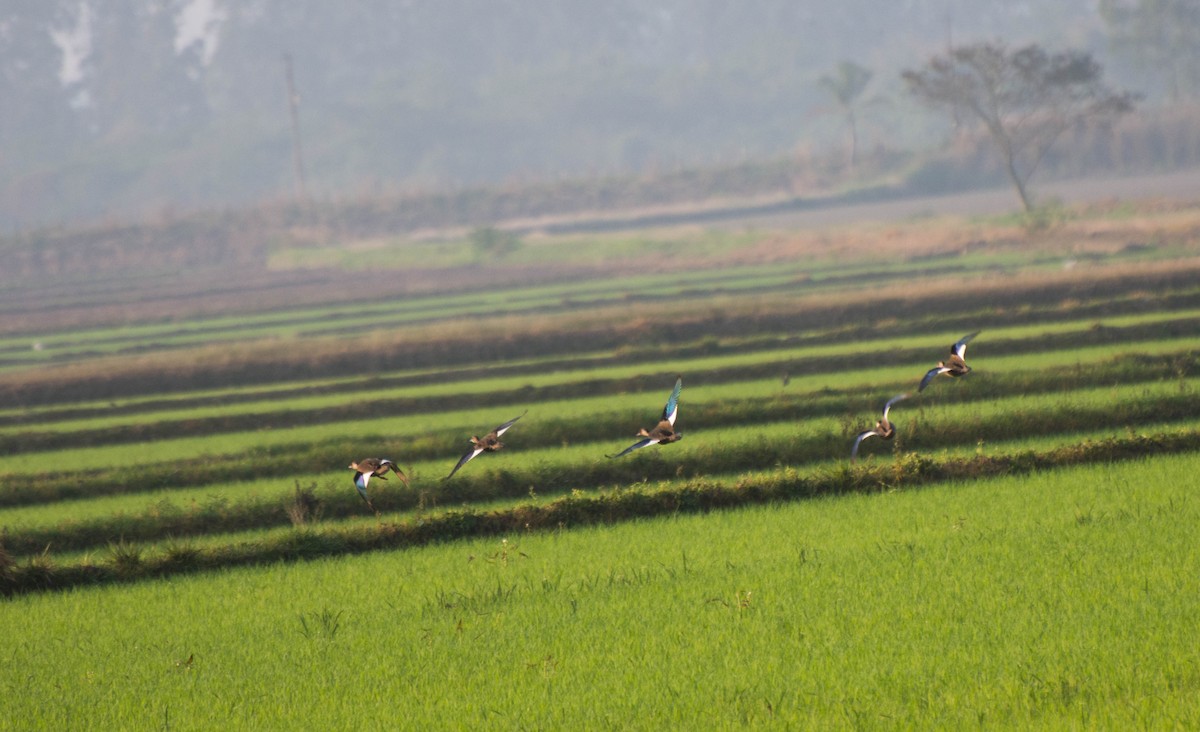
<point>110,107</point>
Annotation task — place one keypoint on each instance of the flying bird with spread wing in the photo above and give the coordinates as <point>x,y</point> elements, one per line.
<point>377,467</point>
<point>954,366</point>
<point>488,443</point>
<point>884,429</point>
<point>664,432</point>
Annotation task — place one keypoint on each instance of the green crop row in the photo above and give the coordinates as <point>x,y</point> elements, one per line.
<point>267,503</point>
<point>1078,315</point>
<point>85,472</point>
<point>439,391</point>
<point>550,471</point>
<point>698,494</point>
<point>305,504</point>
<point>450,397</point>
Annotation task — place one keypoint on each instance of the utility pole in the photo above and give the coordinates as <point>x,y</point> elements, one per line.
<point>297,152</point>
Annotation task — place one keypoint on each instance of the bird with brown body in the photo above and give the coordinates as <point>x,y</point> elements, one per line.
<point>954,366</point>
<point>378,467</point>
<point>664,432</point>
<point>884,429</point>
<point>488,443</point>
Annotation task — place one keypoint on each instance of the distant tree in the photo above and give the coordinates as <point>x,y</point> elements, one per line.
<point>1162,36</point>
<point>1026,99</point>
<point>847,84</point>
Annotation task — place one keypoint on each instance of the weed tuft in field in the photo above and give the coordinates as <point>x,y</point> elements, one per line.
<point>8,568</point>
<point>182,554</point>
<point>304,506</point>
<point>126,558</point>
<point>324,624</point>
<point>39,570</point>
<point>7,565</point>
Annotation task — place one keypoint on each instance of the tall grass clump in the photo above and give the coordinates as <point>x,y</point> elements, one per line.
<point>7,570</point>
<point>304,506</point>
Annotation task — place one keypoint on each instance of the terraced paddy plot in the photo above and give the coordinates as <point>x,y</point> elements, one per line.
<point>1019,555</point>
<point>689,284</point>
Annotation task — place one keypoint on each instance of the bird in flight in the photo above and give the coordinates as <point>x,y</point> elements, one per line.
<point>884,429</point>
<point>954,366</point>
<point>664,432</point>
<point>488,443</point>
<point>364,469</point>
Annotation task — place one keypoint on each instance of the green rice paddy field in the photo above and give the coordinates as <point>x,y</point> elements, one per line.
<point>182,546</point>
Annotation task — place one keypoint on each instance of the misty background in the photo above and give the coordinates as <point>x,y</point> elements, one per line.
<point>117,109</point>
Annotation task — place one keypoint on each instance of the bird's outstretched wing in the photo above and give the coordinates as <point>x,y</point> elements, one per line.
<point>464,460</point>
<point>929,376</point>
<point>858,441</point>
<point>396,469</point>
<point>888,407</point>
<point>504,427</point>
<point>636,446</point>
<point>672,409</point>
<point>360,482</point>
<point>960,346</point>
